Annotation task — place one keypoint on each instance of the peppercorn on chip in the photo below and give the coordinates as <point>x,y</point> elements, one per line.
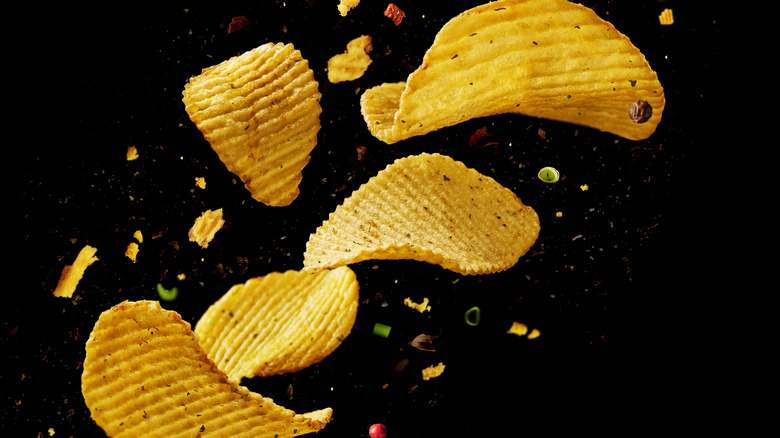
<point>543,58</point>
<point>145,375</point>
<point>260,111</point>
<point>429,208</point>
<point>279,323</point>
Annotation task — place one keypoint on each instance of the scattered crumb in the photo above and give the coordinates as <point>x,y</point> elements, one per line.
<point>200,182</point>
<point>584,187</point>
<point>522,330</point>
<point>181,276</point>
<point>346,5</point>
<point>138,236</point>
<point>205,227</point>
<point>351,64</point>
<point>558,214</point>
<point>132,251</point>
<point>666,18</point>
<point>433,371</point>
<point>71,275</point>
<point>51,431</point>
<point>132,153</point>
<point>421,307</point>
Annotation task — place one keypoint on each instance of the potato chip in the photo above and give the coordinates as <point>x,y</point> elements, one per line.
<point>205,227</point>
<point>260,111</point>
<point>279,323</point>
<point>72,274</point>
<point>551,59</point>
<point>429,208</point>
<point>353,63</point>
<point>145,375</point>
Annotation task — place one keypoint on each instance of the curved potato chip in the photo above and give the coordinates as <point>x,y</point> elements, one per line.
<point>145,375</point>
<point>544,58</point>
<point>279,323</point>
<point>430,208</point>
<point>260,111</point>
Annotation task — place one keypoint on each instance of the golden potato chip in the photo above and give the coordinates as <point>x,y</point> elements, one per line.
<point>552,59</point>
<point>206,226</point>
<point>145,375</point>
<point>430,208</point>
<point>260,111</point>
<point>279,323</point>
<point>72,274</point>
<point>353,63</point>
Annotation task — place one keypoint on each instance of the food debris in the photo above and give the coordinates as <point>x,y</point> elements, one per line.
<point>381,330</point>
<point>421,307</point>
<point>72,274</point>
<point>51,431</point>
<point>584,187</point>
<point>138,236</point>
<point>666,18</point>
<point>422,342</point>
<point>205,227</point>
<point>132,153</point>
<point>200,182</point>
<point>522,330</point>
<point>377,431</point>
<point>478,136</point>
<point>472,316</point>
<point>549,174</point>
<point>640,111</point>
<point>351,64</point>
<point>132,251</point>
<point>346,5</point>
<point>394,13</point>
<point>237,23</point>
<point>433,371</point>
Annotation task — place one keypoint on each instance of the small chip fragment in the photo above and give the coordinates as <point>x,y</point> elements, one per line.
<point>138,236</point>
<point>667,17</point>
<point>279,323</point>
<point>72,274</point>
<point>132,153</point>
<point>353,63</point>
<point>346,5</point>
<point>394,13</point>
<point>432,371</point>
<point>520,329</point>
<point>146,375</point>
<point>200,182</point>
<point>206,227</point>
<point>420,307</point>
<point>132,251</point>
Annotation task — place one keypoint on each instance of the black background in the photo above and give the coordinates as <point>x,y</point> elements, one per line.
<point>613,285</point>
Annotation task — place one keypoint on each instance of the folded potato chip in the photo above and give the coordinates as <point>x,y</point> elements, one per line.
<point>145,375</point>
<point>279,323</point>
<point>429,208</point>
<point>260,111</point>
<point>544,58</point>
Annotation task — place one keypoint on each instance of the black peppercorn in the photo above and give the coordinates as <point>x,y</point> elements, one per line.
<point>640,111</point>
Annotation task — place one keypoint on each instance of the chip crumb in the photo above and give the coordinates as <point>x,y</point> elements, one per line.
<point>433,371</point>
<point>558,214</point>
<point>584,187</point>
<point>181,276</point>
<point>138,236</point>
<point>72,274</point>
<point>420,307</point>
<point>351,64</point>
<point>51,431</point>
<point>520,329</point>
<point>132,251</point>
<point>132,153</point>
<point>345,6</point>
<point>200,182</point>
<point>206,226</point>
<point>666,18</point>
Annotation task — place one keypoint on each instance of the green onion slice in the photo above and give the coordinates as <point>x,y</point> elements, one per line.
<point>167,294</point>
<point>472,316</point>
<point>381,330</point>
<point>549,174</point>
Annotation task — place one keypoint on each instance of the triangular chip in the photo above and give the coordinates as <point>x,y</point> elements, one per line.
<point>544,58</point>
<point>279,323</point>
<point>260,111</point>
<point>430,208</point>
<point>145,375</point>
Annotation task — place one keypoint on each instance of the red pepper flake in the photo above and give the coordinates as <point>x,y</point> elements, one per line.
<point>237,23</point>
<point>477,138</point>
<point>395,13</point>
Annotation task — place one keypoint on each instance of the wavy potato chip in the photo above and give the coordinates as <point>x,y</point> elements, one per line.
<point>145,375</point>
<point>279,323</point>
<point>429,208</point>
<point>543,58</point>
<point>260,111</point>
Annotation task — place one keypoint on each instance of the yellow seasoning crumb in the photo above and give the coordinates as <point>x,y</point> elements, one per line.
<point>432,371</point>
<point>666,18</point>
<point>522,330</point>
<point>200,182</point>
<point>558,214</point>
<point>51,431</point>
<point>138,236</point>
<point>584,187</point>
<point>534,334</point>
<point>421,307</point>
<point>345,5</point>
<point>181,276</point>
<point>132,153</point>
<point>71,275</point>
<point>132,251</point>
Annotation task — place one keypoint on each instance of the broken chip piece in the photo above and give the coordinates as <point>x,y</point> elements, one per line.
<point>279,323</point>
<point>429,208</point>
<point>345,6</point>
<point>260,112</point>
<point>432,371</point>
<point>353,63</point>
<point>550,59</point>
<point>205,227</point>
<point>72,274</point>
<point>145,375</point>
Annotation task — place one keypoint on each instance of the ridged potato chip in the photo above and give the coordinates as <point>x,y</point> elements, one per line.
<point>279,323</point>
<point>543,58</point>
<point>145,375</point>
<point>429,208</point>
<point>260,111</point>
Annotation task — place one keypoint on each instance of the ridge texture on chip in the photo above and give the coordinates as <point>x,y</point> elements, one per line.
<point>429,208</point>
<point>551,59</point>
<point>260,112</point>
<point>279,323</point>
<point>145,375</point>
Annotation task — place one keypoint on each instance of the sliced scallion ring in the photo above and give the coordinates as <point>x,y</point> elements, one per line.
<point>381,330</point>
<point>167,294</point>
<point>472,316</point>
<point>549,174</point>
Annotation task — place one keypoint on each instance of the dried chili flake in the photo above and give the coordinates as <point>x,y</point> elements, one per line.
<point>394,13</point>
<point>238,23</point>
<point>477,138</point>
